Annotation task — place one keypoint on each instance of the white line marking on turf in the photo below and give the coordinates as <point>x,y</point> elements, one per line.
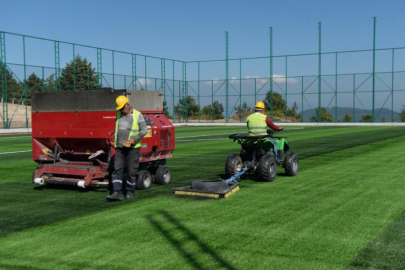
<point>15,152</point>
<point>5,137</point>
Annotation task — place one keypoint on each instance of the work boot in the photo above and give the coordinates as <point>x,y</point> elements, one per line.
<point>115,196</point>
<point>129,195</point>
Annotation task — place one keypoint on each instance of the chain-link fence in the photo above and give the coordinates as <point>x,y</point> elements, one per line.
<point>344,86</point>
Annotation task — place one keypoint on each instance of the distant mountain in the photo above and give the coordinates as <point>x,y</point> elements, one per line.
<point>380,113</point>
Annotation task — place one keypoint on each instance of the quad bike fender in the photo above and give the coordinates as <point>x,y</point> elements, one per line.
<point>282,144</point>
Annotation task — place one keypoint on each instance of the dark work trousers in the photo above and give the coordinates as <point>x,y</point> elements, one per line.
<point>129,158</point>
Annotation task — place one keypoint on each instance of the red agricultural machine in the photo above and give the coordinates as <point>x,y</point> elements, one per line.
<point>73,137</point>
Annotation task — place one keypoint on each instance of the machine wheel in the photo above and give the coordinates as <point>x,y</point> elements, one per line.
<point>163,176</point>
<point>291,164</point>
<point>144,180</point>
<point>233,165</point>
<point>267,168</point>
<point>33,173</point>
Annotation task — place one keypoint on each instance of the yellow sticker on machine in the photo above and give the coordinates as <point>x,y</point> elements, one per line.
<point>149,134</point>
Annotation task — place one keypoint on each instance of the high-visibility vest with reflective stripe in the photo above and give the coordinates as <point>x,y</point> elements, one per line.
<point>257,124</point>
<point>134,129</point>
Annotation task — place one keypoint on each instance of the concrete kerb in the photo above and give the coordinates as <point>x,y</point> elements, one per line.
<point>15,131</point>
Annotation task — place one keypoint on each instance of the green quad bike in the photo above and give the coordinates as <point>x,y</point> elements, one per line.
<point>257,156</point>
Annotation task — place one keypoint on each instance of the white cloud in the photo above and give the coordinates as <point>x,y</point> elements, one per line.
<point>260,81</point>
<point>276,78</point>
<point>215,81</point>
<point>281,79</point>
<point>140,82</point>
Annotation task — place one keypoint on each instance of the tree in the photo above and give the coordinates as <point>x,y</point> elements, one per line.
<point>347,118</point>
<point>402,114</point>
<point>367,118</point>
<point>215,113</point>
<point>325,116</point>
<point>279,104</point>
<point>14,89</point>
<point>50,83</point>
<point>78,75</point>
<point>34,84</point>
<point>186,108</point>
<point>292,112</point>
<point>166,110</point>
<point>240,110</point>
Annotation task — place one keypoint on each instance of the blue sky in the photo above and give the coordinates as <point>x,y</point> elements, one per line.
<point>195,30</point>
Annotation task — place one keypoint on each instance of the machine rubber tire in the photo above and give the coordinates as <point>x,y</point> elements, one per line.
<point>291,164</point>
<point>163,176</point>
<point>144,180</point>
<point>233,165</point>
<point>267,169</point>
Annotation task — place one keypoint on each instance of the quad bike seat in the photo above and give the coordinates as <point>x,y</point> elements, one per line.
<point>246,136</point>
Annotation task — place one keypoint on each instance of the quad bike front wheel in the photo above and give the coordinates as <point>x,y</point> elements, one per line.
<point>291,164</point>
<point>267,169</point>
<point>233,165</point>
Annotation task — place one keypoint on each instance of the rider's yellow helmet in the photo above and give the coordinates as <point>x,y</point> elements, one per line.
<point>259,105</point>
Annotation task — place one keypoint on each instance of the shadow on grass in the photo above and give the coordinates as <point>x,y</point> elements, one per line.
<point>170,225</point>
<point>387,251</point>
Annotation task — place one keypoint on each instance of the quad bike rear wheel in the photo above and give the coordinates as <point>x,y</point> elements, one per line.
<point>233,165</point>
<point>291,164</point>
<point>267,169</point>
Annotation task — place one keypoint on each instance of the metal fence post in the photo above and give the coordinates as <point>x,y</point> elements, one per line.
<point>25,86</point>
<point>226,77</point>
<point>319,73</point>
<point>271,73</point>
<point>373,105</point>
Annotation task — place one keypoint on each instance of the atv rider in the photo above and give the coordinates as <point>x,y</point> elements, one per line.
<point>258,123</point>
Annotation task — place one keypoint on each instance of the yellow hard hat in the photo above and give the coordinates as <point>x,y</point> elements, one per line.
<point>121,101</point>
<point>259,105</point>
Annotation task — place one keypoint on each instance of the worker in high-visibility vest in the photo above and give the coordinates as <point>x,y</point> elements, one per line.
<point>258,123</point>
<point>130,128</point>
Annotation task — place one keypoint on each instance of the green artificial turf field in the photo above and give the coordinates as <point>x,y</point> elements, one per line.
<point>344,209</point>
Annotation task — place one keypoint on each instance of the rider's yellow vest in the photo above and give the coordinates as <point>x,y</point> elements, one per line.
<point>134,129</point>
<point>257,124</point>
